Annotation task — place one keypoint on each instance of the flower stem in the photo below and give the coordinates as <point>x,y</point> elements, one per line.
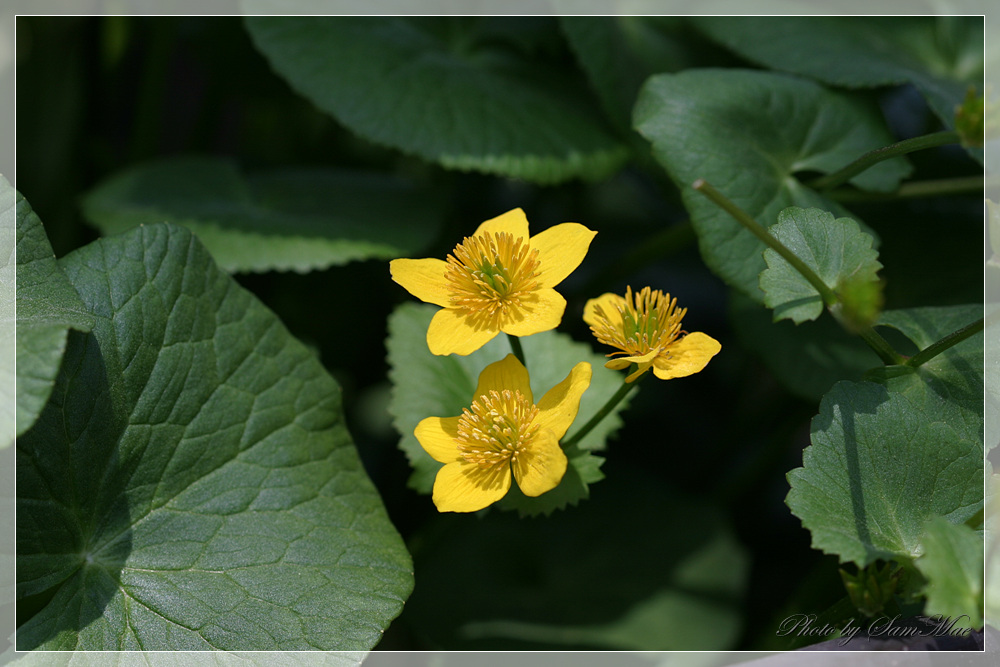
<point>875,341</point>
<point>515,347</point>
<point>872,158</point>
<point>913,190</point>
<point>940,346</point>
<point>744,218</point>
<point>604,411</point>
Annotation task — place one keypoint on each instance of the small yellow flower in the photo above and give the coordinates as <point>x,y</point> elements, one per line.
<point>503,432</point>
<point>647,330</point>
<point>498,279</point>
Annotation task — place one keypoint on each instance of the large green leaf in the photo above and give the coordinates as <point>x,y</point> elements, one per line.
<point>191,483</point>
<point>425,385</point>
<point>888,455</point>
<point>941,56</point>
<point>952,563</point>
<point>749,133</point>
<point>300,219</point>
<point>450,90</point>
<point>47,307</point>
<point>637,567</point>
<point>835,249</point>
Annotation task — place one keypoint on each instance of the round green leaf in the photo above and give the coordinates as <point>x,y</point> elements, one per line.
<point>427,87</point>
<point>749,134</point>
<point>191,483</point>
<point>886,457</point>
<point>835,249</point>
<point>294,219</point>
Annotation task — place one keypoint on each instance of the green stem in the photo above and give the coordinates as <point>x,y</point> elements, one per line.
<point>872,158</point>
<point>604,411</point>
<point>940,346</point>
<point>742,217</point>
<point>913,190</point>
<point>881,347</point>
<point>515,347</point>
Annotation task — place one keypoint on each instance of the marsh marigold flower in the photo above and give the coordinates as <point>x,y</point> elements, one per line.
<point>503,433</point>
<point>498,279</point>
<point>646,328</point>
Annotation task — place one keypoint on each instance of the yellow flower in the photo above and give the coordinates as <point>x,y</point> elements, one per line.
<point>498,279</point>
<point>503,432</point>
<point>647,330</point>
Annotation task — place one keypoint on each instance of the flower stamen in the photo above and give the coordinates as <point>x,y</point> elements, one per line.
<point>490,274</point>
<point>496,428</point>
<point>650,320</point>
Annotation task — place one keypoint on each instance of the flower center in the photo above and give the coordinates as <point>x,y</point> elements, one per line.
<point>490,273</point>
<point>649,319</point>
<point>496,428</point>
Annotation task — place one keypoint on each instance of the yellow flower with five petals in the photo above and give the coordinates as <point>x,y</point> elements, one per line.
<point>646,328</point>
<point>503,433</point>
<point>498,279</point>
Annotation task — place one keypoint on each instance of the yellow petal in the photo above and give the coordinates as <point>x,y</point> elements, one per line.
<point>560,251</point>
<point>437,436</point>
<point>450,332</point>
<point>514,222</point>
<point>466,487</point>
<point>609,303</point>
<point>687,356</point>
<point>618,364</point>
<point>542,310</point>
<point>508,373</point>
<point>423,278</point>
<point>558,408</point>
<point>542,467</point>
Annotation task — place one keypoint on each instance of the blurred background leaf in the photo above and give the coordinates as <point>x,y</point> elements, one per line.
<point>469,93</point>
<point>300,219</point>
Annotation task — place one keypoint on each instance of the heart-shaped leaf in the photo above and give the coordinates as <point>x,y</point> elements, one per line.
<point>749,133</point>
<point>191,483</point>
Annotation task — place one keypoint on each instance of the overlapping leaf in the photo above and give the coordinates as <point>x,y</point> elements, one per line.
<point>888,455</point>
<point>298,219</point>
<point>191,484</point>
<point>941,56</point>
<point>835,249</point>
<point>444,90</point>
<point>47,308</point>
<point>425,385</point>
<point>749,133</point>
